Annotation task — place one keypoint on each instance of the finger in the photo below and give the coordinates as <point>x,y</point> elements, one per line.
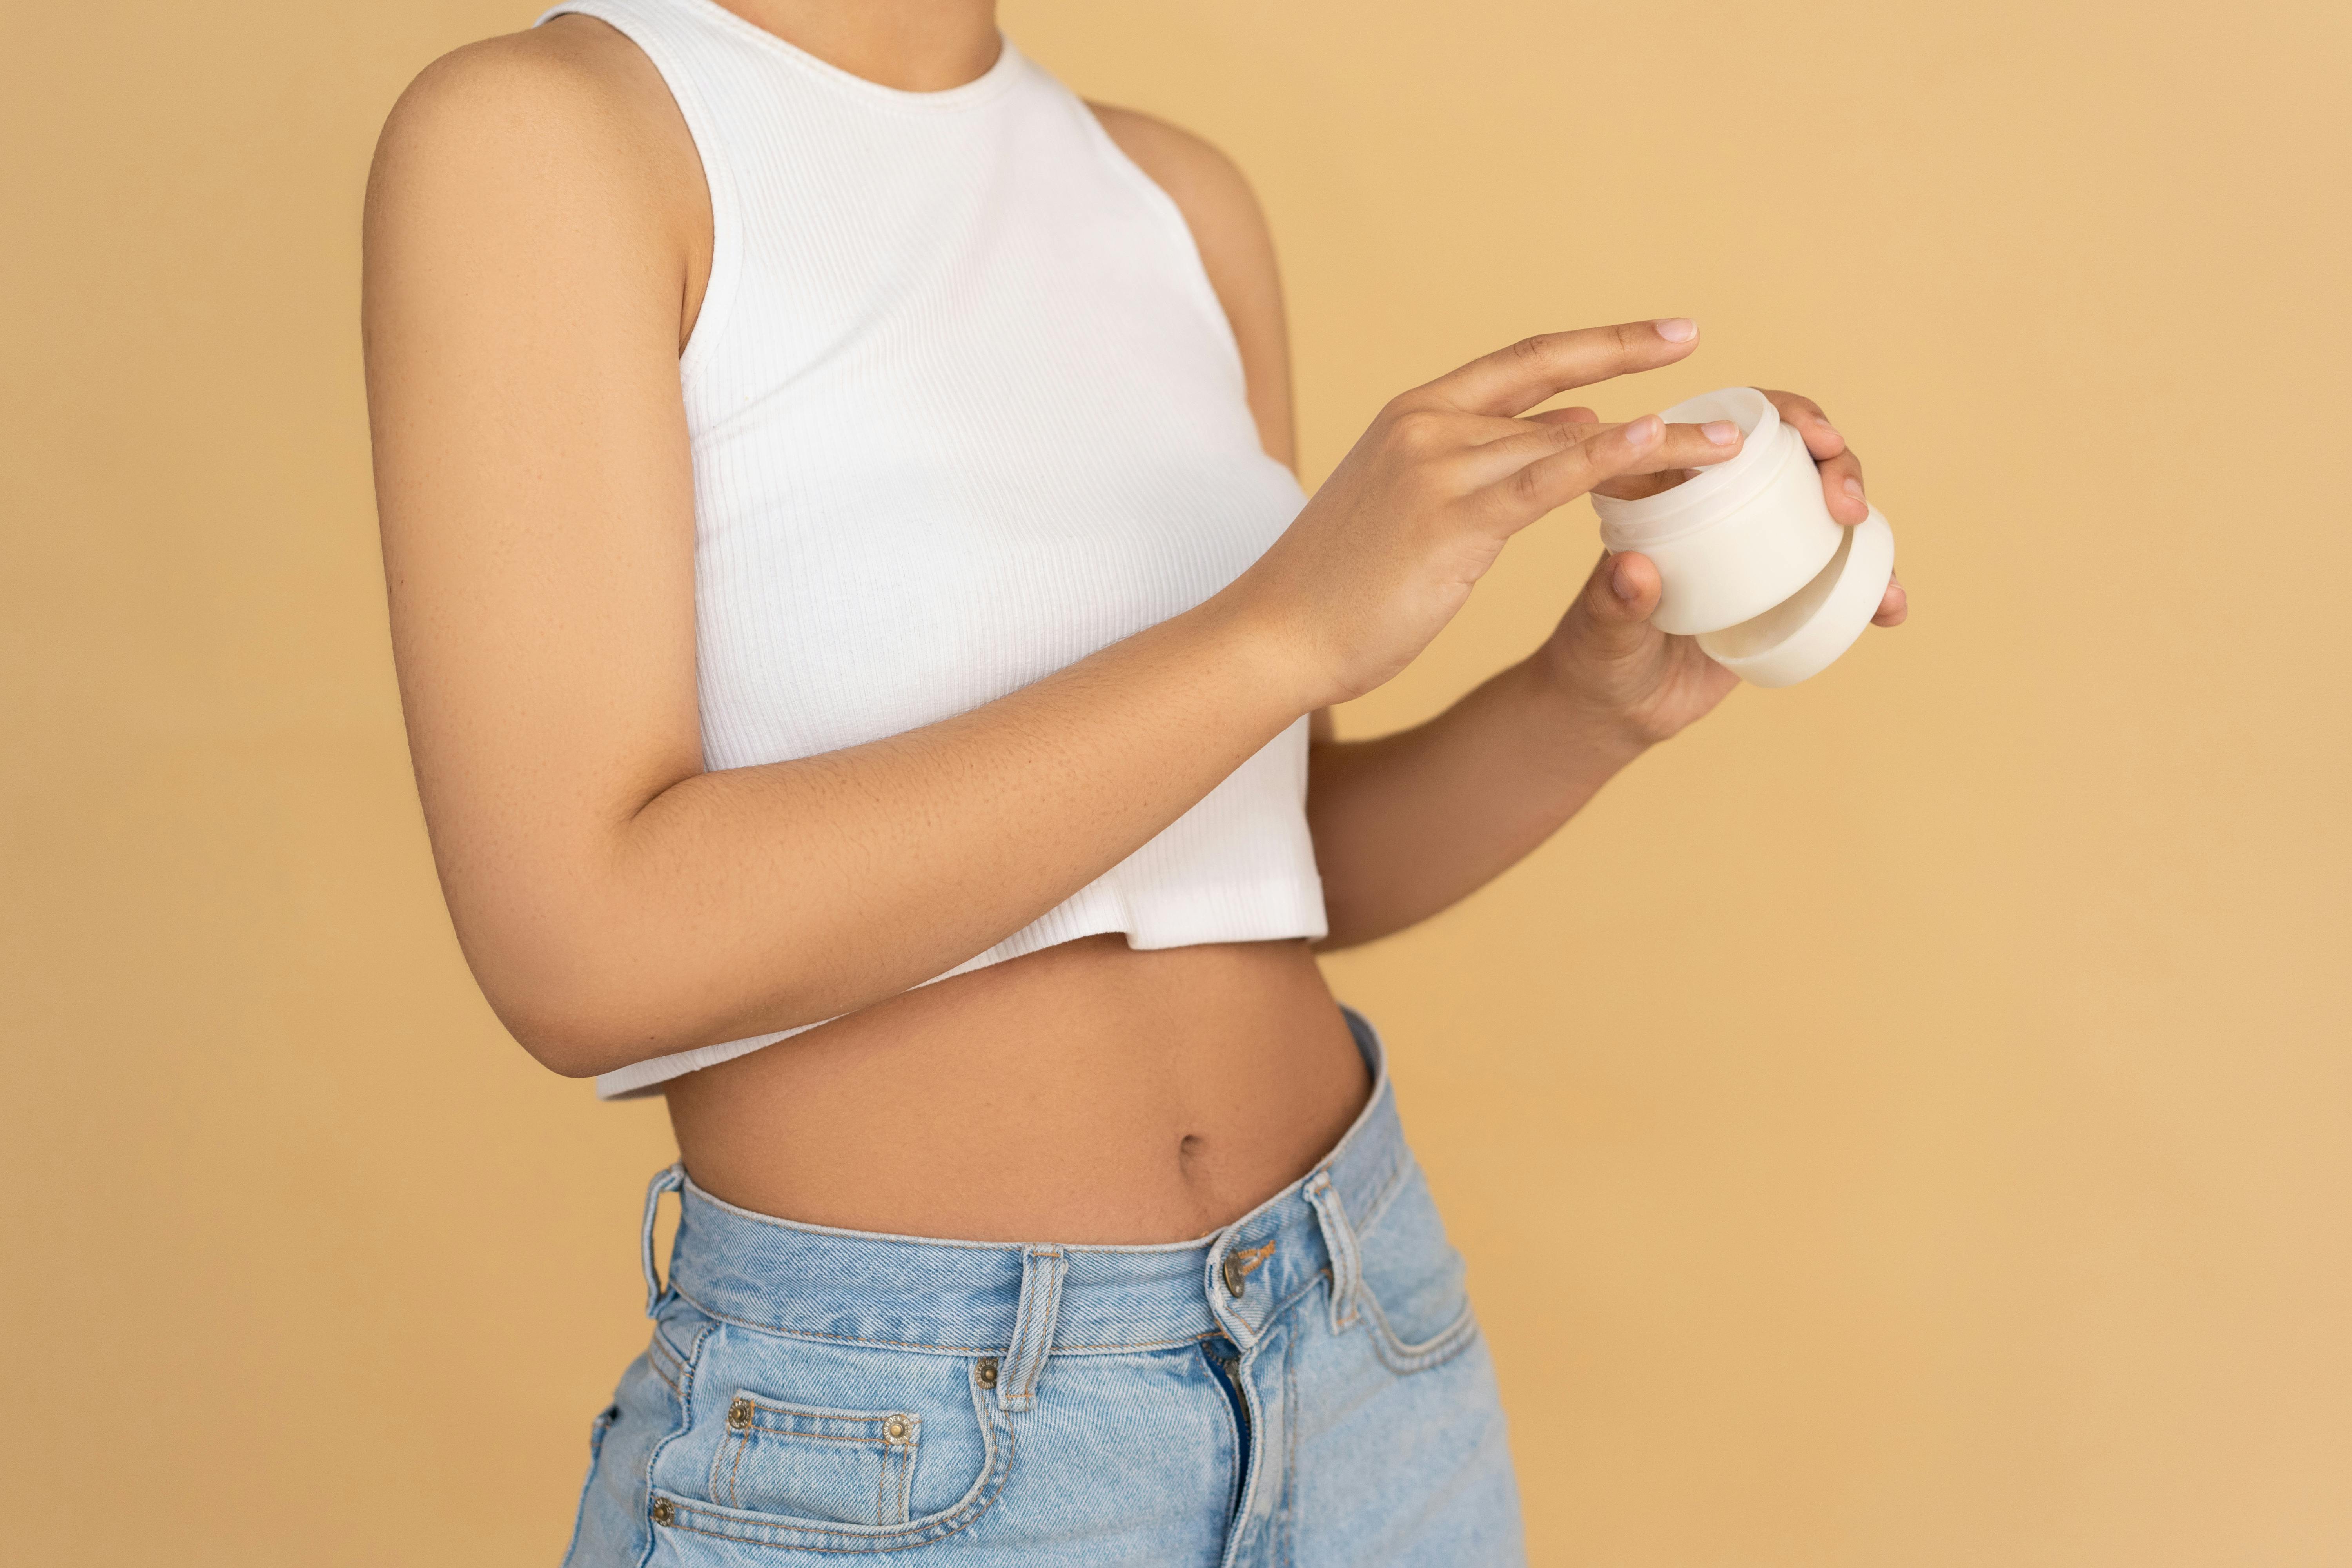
<point>1895,608</point>
<point>1639,487</point>
<point>1513,379</point>
<point>1499,460</point>
<point>1489,429</point>
<point>1524,442</point>
<point>1842,488</point>
<point>1648,445</point>
<point>1802,415</point>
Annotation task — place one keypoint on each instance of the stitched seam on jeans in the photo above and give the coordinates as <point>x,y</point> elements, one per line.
<point>766,1411</point>
<point>1113,1348</point>
<point>666,1364</point>
<point>738,1442</point>
<point>1117,1348</point>
<point>837,1339</point>
<point>1398,1356</point>
<point>1285,1529</point>
<point>682,1389</point>
<point>918,1535</point>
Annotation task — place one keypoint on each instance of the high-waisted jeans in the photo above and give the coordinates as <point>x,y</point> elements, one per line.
<point>1304,1387</point>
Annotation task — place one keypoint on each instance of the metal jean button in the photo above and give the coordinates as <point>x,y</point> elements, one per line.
<point>1236,1276</point>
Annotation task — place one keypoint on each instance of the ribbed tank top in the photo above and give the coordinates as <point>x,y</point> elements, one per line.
<point>964,408</point>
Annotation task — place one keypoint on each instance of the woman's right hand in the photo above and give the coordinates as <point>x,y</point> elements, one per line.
<point>1385,553</point>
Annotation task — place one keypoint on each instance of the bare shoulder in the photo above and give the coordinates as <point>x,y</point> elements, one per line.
<point>1236,250</point>
<point>1205,182</point>
<point>526,92</point>
<point>546,125</point>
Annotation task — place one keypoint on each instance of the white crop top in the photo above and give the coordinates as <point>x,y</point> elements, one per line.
<point>964,409</point>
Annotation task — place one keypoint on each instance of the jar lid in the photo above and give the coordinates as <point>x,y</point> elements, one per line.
<point>1804,635</point>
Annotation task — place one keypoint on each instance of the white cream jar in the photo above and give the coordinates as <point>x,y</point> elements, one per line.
<point>1751,562</point>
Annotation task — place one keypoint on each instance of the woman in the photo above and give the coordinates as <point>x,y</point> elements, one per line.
<point>849,590</point>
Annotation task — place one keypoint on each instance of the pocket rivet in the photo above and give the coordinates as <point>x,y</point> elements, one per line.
<point>665,1510</point>
<point>896,1428</point>
<point>739,1414</point>
<point>987,1371</point>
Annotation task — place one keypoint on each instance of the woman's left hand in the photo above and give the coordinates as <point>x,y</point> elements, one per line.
<point>1608,659</point>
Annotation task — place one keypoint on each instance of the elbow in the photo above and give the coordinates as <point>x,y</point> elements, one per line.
<point>584,1020</point>
<point>567,1034</point>
<point>587,990</point>
<point>576,1012</point>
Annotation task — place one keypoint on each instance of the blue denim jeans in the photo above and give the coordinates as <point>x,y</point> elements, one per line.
<point>1305,1387</point>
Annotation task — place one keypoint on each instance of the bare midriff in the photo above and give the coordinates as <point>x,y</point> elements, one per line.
<point>1089,1093</point>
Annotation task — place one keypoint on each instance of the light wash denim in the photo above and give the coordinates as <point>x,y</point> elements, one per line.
<point>1305,1387</point>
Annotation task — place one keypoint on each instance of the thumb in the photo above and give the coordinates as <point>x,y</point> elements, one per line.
<point>1619,599</point>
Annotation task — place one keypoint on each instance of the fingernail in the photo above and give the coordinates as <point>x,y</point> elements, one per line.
<point>1722,432</point>
<point>1828,430</point>
<point>1676,329</point>
<point>1645,431</point>
<point>1620,581</point>
<point>1854,487</point>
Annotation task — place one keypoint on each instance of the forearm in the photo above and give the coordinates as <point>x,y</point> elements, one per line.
<point>1408,824</point>
<point>757,899</point>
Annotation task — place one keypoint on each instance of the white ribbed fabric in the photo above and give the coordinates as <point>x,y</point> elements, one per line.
<point>964,409</point>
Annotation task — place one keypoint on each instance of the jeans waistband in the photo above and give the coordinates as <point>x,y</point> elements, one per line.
<point>960,1298</point>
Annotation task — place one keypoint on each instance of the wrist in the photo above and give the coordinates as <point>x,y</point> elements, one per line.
<point>1266,659</point>
<point>1579,711</point>
<point>1271,646</point>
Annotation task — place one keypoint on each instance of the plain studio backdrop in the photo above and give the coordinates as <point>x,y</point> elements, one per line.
<point>1907,1119</point>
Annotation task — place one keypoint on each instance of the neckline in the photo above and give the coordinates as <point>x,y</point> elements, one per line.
<point>987,85</point>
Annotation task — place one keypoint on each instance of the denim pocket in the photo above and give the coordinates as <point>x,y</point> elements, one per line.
<point>1413,1287</point>
<point>843,1482</point>
<point>839,1466</point>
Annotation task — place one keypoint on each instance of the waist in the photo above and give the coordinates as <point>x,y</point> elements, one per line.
<point>1090,1092</point>
<point>792,1277</point>
<point>1234,872</point>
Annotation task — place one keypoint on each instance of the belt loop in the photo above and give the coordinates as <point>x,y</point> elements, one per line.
<point>1042,1269</point>
<point>667,1181</point>
<point>1339,1241</point>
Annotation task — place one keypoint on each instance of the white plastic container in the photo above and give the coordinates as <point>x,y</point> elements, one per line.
<point>1751,562</point>
<point>1804,635</point>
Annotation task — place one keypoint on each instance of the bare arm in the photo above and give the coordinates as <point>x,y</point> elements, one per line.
<point>527,256</point>
<point>1408,824</point>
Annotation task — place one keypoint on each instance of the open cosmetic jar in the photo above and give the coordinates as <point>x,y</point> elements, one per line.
<point>1751,562</point>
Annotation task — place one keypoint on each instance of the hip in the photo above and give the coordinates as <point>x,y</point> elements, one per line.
<point>1304,1385</point>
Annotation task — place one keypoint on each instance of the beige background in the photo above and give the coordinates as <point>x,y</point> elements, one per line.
<point>1907,1120</point>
